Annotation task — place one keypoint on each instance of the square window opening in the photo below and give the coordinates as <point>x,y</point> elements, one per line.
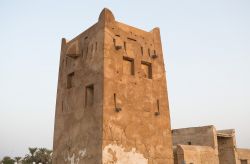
<point>146,69</point>
<point>70,78</point>
<point>89,95</point>
<point>128,66</point>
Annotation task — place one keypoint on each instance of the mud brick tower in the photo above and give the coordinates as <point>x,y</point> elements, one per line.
<point>112,104</point>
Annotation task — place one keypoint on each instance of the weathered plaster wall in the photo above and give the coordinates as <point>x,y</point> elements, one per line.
<point>196,155</point>
<point>140,127</point>
<point>243,156</point>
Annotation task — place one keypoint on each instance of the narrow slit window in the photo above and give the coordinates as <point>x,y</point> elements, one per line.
<point>158,108</point>
<point>70,78</point>
<point>148,52</point>
<point>125,46</point>
<point>142,51</point>
<point>128,66</point>
<point>115,99</point>
<point>86,46</point>
<point>89,95</point>
<point>146,69</point>
<point>62,106</point>
<point>117,109</point>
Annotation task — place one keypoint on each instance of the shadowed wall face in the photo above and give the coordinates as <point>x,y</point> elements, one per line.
<point>78,119</point>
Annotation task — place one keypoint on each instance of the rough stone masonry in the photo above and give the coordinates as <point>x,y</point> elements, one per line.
<point>112,104</point>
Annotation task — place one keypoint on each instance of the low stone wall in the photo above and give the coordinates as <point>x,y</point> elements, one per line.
<point>195,154</point>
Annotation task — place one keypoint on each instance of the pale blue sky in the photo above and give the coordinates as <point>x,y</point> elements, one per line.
<point>206,49</point>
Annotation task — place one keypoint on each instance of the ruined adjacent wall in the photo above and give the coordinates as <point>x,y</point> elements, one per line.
<point>227,147</point>
<point>112,104</point>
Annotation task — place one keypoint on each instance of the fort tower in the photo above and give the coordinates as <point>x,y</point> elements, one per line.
<point>112,104</point>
